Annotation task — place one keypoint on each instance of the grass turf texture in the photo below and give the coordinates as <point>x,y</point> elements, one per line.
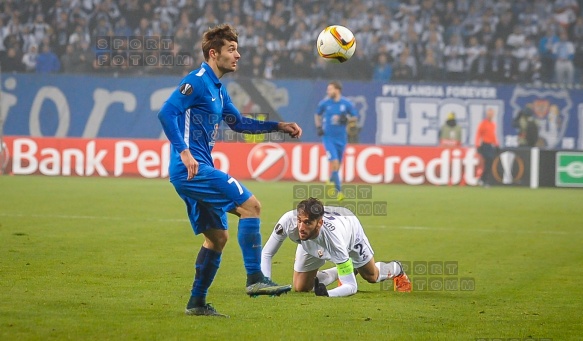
<point>112,258</point>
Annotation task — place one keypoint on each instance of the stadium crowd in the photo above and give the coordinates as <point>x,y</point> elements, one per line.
<point>489,41</point>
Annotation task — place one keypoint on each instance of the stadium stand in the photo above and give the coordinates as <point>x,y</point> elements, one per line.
<point>479,41</point>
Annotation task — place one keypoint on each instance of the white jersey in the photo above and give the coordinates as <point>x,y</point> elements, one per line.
<point>341,238</point>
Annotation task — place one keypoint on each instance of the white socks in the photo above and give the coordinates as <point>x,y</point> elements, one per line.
<point>387,270</point>
<point>327,276</point>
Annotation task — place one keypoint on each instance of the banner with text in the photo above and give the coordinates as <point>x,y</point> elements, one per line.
<point>304,162</point>
<point>391,114</point>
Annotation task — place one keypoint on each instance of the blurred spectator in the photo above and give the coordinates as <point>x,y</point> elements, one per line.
<point>566,12</point>
<point>430,69</point>
<point>473,51</point>
<point>564,52</point>
<point>29,59</point>
<point>62,30</point>
<point>31,9</point>
<point>47,61</point>
<point>405,68</point>
<point>68,60</point>
<point>545,50</point>
<point>256,69</point>
<point>505,26</point>
<point>454,59</point>
<point>480,68</point>
<point>167,12</point>
<point>360,67</point>
<point>395,46</point>
<point>382,70</point>
<point>508,68</point>
<point>121,28</point>
<point>27,39</point>
<point>516,38</point>
<point>12,61</point>
<point>81,34</point>
<point>296,68</point>
<point>497,55</point>
<point>40,28</point>
<point>527,59</point>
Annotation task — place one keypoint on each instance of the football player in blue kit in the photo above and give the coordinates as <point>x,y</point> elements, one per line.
<point>190,119</point>
<point>333,114</point>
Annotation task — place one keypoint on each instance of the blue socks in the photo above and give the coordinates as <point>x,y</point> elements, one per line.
<point>207,265</point>
<point>249,239</point>
<point>335,178</point>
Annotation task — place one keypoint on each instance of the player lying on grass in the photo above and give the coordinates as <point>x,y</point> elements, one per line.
<point>328,233</point>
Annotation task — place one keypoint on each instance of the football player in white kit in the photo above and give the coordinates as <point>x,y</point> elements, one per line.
<point>329,233</point>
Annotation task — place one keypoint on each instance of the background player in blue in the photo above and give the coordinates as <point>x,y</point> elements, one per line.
<point>190,118</point>
<point>333,113</point>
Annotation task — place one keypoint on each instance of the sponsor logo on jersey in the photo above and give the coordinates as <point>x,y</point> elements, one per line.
<point>186,89</point>
<point>267,162</point>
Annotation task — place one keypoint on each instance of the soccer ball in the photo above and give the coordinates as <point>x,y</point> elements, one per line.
<point>336,44</point>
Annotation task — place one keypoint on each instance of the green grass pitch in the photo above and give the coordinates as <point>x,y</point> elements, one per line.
<point>112,259</point>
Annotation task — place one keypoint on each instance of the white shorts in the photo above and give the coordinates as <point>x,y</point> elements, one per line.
<point>361,253</point>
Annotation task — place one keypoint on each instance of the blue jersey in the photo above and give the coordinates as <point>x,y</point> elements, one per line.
<point>331,111</point>
<point>192,114</point>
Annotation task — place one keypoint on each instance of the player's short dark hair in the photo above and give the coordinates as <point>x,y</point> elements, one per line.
<point>336,84</point>
<point>311,207</point>
<point>214,38</point>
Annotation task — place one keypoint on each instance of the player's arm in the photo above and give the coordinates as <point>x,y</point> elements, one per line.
<point>318,121</point>
<point>247,125</point>
<point>353,113</point>
<point>269,250</point>
<point>347,278</point>
<point>274,243</point>
<point>168,116</point>
<point>318,124</point>
<point>350,115</point>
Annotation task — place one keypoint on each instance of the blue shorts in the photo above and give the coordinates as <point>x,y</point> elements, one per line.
<point>209,196</point>
<point>334,148</point>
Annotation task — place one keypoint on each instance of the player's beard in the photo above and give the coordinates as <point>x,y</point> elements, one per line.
<point>225,65</point>
<point>311,234</point>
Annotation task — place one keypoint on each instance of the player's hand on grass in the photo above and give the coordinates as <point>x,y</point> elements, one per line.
<point>190,163</point>
<point>291,128</point>
<point>320,288</point>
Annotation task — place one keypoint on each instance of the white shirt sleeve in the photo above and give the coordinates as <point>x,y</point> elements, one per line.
<point>273,244</point>
<point>348,287</point>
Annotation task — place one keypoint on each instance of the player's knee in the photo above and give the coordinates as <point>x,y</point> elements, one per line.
<point>250,208</point>
<point>222,240</point>
<point>216,241</point>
